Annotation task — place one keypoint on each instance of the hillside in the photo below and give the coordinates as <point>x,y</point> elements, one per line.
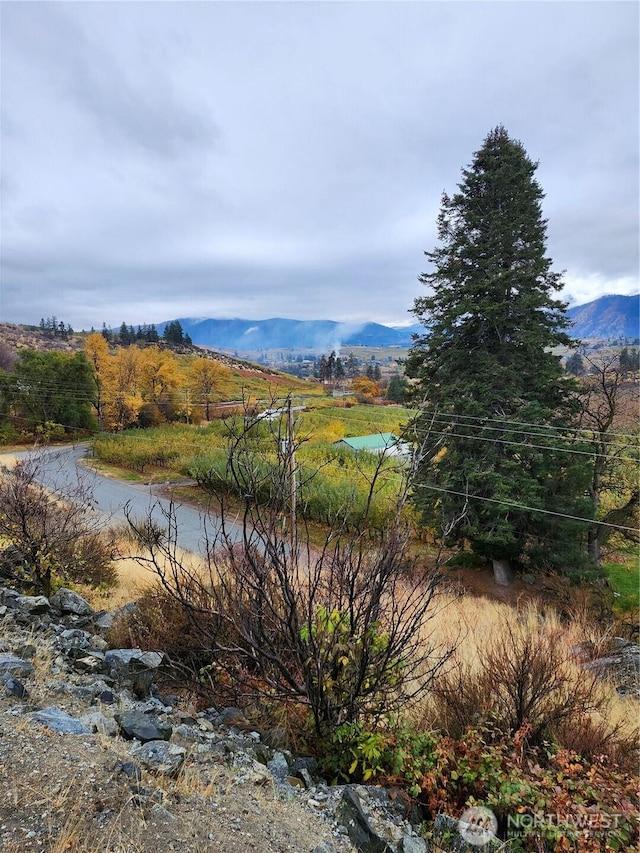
<point>14,337</point>
<point>606,318</point>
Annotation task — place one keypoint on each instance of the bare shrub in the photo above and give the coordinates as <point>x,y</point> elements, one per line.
<point>525,678</point>
<point>156,623</point>
<point>594,736</point>
<point>337,627</point>
<point>89,559</point>
<point>52,535</point>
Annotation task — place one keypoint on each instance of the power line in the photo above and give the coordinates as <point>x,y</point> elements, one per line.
<point>496,418</point>
<point>346,472</point>
<point>512,505</point>
<point>440,417</point>
<point>525,444</point>
<point>503,422</point>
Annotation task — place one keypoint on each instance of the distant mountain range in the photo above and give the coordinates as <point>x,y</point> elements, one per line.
<point>605,318</point>
<point>253,336</point>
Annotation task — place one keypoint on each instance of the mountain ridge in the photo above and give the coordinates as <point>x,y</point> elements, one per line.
<point>608,317</point>
<point>283,333</point>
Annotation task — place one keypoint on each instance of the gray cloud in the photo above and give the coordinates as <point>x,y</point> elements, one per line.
<point>260,159</point>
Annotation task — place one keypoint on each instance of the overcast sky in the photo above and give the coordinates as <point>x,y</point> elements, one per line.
<point>239,159</point>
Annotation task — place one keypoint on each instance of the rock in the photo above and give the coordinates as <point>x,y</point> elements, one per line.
<point>306,777</point>
<point>412,844</point>
<point>69,601</point>
<point>106,697</point>
<point>107,620</point>
<point>99,724</point>
<point>130,769</point>
<point>361,834</point>
<point>232,717</point>
<point>14,665</point>
<point>278,766</point>
<point>33,604</point>
<point>461,836</point>
<point>59,721</point>
<point>158,811</point>
<point>90,663</point>
<point>98,643</point>
<point>305,762</point>
<point>15,687</point>
<point>135,725</point>
<point>134,667</point>
<point>127,658</point>
<point>160,756</point>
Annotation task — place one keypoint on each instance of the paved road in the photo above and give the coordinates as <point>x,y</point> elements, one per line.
<point>60,469</point>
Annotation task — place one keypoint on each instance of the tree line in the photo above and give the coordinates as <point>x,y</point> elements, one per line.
<point>173,333</point>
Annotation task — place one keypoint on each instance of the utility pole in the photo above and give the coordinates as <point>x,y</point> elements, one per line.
<point>292,480</point>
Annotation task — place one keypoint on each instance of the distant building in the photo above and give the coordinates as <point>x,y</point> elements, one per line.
<point>379,442</point>
<point>272,414</point>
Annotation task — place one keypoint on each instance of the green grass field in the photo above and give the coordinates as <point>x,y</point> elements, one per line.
<point>625,579</point>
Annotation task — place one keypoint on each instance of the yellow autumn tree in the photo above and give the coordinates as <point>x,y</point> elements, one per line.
<point>207,381</point>
<point>159,373</point>
<point>365,389</point>
<point>160,377</point>
<point>97,352</point>
<point>122,396</point>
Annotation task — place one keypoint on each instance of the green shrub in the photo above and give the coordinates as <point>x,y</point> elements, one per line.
<point>8,434</point>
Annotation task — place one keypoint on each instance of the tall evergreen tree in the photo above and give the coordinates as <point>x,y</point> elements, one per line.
<point>173,333</point>
<point>494,400</point>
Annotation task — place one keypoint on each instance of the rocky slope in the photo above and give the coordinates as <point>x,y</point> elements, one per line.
<point>14,338</point>
<point>95,760</point>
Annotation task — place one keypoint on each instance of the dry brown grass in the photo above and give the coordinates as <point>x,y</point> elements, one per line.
<point>481,684</point>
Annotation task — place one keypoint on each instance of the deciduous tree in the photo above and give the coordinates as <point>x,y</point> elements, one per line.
<point>207,378</point>
<point>365,388</point>
<point>609,409</point>
<point>97,352</point>
<point>159,373</point>
<point>121,392</point>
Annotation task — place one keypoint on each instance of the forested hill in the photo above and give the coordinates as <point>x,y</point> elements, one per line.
<point>606,318</point>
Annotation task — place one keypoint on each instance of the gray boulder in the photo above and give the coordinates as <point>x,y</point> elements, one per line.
<point>135,725</point>
<point>360,831</point>
<point>33,604</point>
<point>134,668</point>
<point>160,756</point>
<point>14,665</point>
<point>59,721</point>
<point>69,601</point>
